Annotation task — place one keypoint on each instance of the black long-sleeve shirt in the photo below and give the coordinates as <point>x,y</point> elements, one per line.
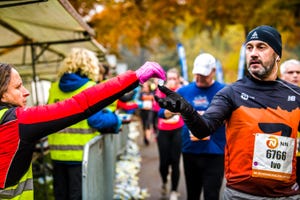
<point>262,120</point>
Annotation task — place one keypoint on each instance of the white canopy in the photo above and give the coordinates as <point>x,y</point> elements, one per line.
<point>37,34</point>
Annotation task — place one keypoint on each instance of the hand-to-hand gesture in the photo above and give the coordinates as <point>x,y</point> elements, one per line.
<point>173,101</point>
<point>150,70</point>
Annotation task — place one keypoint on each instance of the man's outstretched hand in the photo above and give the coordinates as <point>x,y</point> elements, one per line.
<point>177,104</point>
<point>173,101</point>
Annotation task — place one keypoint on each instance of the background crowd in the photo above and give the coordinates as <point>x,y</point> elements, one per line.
<point>185,120</point>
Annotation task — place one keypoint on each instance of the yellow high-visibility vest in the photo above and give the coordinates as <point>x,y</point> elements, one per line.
<point>68,144</point>
<point>22,190</point>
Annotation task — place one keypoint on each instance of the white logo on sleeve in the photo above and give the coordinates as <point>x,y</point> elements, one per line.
<point>245,96</point>
<point>291,98</point>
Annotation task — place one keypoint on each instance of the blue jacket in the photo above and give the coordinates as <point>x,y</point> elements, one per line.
<point>105,121</point>
<point>201,98</point>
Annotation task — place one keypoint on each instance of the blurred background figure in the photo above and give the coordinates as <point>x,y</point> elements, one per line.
<point>79,70</point>
<point>146,97</point>
<point>128,104</point>
<point>105,74</point>
<point>155,108</point>
<point>203,159</point>
<point>169,140</point>
<point>290,71</point>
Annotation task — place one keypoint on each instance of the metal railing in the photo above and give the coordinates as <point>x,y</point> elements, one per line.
<point>98,166</point>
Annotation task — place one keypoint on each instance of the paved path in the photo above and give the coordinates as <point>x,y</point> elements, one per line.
<point>149,174</point>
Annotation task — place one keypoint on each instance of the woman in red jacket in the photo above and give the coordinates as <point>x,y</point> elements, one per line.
<point>21,126</point>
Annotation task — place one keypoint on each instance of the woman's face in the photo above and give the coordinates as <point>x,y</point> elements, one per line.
<point>172,80</point>
<point>16,94</point>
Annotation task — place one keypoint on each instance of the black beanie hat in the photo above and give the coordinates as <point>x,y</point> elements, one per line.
<point>268,35</point>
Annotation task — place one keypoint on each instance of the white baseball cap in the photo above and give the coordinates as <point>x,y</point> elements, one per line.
<point>204,64</point>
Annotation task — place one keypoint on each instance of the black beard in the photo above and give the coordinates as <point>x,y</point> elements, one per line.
<point>265,74</point>
<point>259,75</point>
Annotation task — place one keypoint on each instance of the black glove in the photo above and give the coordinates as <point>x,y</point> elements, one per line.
<point>176,103</point>
<point>128,96</point>
<point>173,101</point>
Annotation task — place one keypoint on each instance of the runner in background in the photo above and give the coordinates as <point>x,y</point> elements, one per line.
<point>290,72</point>
<point>169,140</point>
<point>203,159</point>
<point>146,97</point>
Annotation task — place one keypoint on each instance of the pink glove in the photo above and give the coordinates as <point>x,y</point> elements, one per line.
<point>150,70</point>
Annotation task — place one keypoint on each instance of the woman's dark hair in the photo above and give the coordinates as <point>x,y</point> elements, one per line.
<point>5,71</point>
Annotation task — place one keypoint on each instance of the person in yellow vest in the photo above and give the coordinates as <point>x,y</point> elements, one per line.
<point>290,72</point>
<point>79,70</point>
<point>22,126</point>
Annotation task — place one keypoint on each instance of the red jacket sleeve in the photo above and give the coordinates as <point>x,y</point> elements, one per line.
<point>39,121</point>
